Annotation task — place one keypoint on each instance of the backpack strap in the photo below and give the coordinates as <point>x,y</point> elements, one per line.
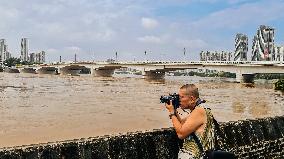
<point>198,142</point>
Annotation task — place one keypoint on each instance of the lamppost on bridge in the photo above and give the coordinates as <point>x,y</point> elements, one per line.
<point>93,57</point>
<point>184,54</point>
<point>145,56</point>
<point>75,58</point>
<point>115,56</point>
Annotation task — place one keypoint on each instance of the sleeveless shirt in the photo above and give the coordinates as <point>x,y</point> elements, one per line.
<point>206,138</point>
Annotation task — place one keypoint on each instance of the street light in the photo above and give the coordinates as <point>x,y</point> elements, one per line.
<point>184,51</point>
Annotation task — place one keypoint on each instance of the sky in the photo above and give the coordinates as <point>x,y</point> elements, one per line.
<point>97,29</point>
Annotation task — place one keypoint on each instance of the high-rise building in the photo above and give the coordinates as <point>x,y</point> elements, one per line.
<point>202,56</point>
<point>241,47</point>
<point>279,53</point>
<point>263,44</point>
<point>215,56</point>
<point>8,55</point>
<point>230,56</point>
<point>2,44</point>
<point>37,57</point>
<point>42,53</point>
<point>24,49</point>
<point>32,57</point>
<point>4,54</point>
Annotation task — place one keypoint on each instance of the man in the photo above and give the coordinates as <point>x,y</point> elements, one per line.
<point>197,127</point>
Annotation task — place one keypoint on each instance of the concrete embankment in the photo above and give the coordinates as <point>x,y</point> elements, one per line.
<point>262,138</point>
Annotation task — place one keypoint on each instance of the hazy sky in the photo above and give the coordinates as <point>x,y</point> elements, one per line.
<point>96,29</point>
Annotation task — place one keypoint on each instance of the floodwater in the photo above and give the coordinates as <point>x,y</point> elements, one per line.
<point>46,108</point>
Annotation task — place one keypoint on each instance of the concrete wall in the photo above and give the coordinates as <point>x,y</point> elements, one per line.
<point>263,138</point>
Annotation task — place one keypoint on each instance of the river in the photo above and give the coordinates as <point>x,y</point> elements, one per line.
<point>38,108</point>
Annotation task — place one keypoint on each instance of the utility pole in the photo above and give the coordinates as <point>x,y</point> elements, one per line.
<point>75,58</point>
<point>59,59</point>
<point>115,56</point>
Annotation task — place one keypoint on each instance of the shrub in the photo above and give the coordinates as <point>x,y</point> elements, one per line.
<point>279,85</point>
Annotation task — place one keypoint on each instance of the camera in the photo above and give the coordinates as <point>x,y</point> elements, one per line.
<point>171,97</point>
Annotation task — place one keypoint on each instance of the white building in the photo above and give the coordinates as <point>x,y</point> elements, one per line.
<point>4,53</point>
<point>24,49</point>
<point>241,47</point>
<point>279,53</point>
<point>32,57</point>
<point>37,57</point>
<point>2,50</point>
<point>263,44</point>
<point>215,56</point>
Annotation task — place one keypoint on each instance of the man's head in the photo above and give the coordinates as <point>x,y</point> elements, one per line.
<point>188,95</point>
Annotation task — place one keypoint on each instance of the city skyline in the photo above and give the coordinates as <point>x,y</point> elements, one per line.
<point>97,30</point>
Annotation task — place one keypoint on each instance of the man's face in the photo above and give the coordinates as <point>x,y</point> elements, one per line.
<point>184,99</point>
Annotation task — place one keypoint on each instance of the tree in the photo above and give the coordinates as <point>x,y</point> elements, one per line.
<point>26,63</point>
<point>12,61</point>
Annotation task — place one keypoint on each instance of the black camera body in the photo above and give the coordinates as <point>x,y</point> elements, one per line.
<point>171,97</point>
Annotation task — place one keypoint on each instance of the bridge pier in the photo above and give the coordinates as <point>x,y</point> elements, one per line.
<point>28,70</point>
<point>102,72</point>
<point>11,70</point>
<point>59,70</point>
<point>153,74</point>
<point>245,77</point>
<point>248,78</point>
<point>72,72</point>
<point>48,70</point>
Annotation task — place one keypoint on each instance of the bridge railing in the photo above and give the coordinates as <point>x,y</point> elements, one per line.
<point>163,62</point>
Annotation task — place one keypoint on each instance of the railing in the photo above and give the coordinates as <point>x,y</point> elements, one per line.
<point>276,63</point>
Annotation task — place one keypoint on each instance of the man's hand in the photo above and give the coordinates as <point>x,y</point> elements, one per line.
<point>170,107</point>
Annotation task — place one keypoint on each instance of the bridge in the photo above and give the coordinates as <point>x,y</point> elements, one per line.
<point>244,70</point>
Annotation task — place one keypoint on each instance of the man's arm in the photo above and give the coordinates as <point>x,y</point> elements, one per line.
<point>181,120</point>
<point>191,124</point>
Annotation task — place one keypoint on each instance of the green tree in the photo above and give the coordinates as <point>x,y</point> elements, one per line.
<point>12,61</point>
<point>26,63</point>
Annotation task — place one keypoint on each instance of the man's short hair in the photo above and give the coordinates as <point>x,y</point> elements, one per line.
<point>191,89</point>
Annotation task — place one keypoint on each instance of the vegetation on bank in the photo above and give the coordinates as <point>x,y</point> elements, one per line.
<point>203,74</point>
<point>269,76</point>
<point>279,85</point>
<point>13,61</point>
<point>227,75</point>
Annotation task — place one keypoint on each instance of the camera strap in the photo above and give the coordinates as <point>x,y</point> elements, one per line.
<point>199,101</point>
